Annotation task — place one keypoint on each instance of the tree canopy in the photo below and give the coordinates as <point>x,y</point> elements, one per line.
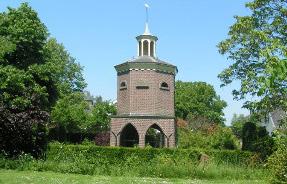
<point>35,71</point>
<point>195,100</point>
<point>74,116</point>
<point>257,48</point>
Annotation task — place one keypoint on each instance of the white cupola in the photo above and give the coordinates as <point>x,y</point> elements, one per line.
<point>146,41</point>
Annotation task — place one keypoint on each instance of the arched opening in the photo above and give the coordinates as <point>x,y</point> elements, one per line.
<point>123,84</point>
<point>140,48</point>
<point>154,137</point>
<point>129,136</point>
<point>152,49</point>
<point>164,85</point>
<point>145,47</point>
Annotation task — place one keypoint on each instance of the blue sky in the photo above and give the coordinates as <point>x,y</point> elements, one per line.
<point>101,34</point>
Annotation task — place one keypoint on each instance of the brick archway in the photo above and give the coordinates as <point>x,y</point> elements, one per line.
<point>155,136</point>
<point>129,136</point>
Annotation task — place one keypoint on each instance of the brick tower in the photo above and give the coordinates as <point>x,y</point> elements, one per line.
<point>145,99</point>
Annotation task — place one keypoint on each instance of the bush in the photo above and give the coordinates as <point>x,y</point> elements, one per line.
<point>278,165</point>
<point>112,155</point>
<point>256,139</point>
<point>217,138</point>
<point>223,138</point>
<point>117,161</point>
<point>23,131</point>
<point>249,136</point>
<point>102,138</point>
<point>277,162</point>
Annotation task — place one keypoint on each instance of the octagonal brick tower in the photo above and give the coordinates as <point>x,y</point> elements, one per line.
<point>145,97</point>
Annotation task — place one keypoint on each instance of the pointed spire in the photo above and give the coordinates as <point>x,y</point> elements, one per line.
<point>146,41</point>
<point>146,31</point>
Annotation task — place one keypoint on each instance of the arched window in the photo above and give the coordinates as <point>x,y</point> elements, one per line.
<point>152,49</point>
<point>129,136</point>
<point>154,137</point>
<point>145,48</point>
<point>123,85</point>
<point>164,86</point>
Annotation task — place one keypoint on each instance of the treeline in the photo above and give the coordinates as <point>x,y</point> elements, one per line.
<point>35,71</point>
<point>78,117</point>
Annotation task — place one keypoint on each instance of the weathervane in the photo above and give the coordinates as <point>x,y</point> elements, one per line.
<point>146,11</point>
<point>146,32</point>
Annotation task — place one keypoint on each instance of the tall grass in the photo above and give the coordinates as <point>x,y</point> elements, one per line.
<point>156,165</point>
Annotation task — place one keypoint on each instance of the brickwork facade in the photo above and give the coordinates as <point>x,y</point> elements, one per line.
<point>152,101</point>
<point>145,98</point>
<point>142,125</point>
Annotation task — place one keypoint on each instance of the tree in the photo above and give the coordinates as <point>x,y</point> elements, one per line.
<point>256,139</point>
<point>71,112</point>
<point>257,47</point>
<point>249,136</point>
<point>198,100</point>
<point>219,138</point>
<point>74,119</point>
<point>101,116</point>
<point>223,138</point>
<point>35,71</point>
<point>70,118</point>
<point>237,123</point>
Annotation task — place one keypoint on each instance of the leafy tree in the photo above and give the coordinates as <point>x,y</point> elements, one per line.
<point>34,72</point>
<point>23,131</point>
<point>70,118</point>
<point>223,138</point>
<point>75,119</point>
<point>257,47</point>
<point>100,119</point>
<point>219,138</point>
<point>237,123</point>
<point>249,136</point>
<point>61,69</point>
<point>195,100</point>
<point>71,112</point>
<point>257,139</point>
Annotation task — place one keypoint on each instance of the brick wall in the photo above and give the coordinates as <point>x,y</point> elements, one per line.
<point>151,101</point>
<point>123,101</point>
<point>142,125</point>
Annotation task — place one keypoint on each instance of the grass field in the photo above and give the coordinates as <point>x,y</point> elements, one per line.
<point>31,177</point>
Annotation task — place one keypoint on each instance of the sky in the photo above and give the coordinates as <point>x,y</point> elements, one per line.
<point>101,34</point>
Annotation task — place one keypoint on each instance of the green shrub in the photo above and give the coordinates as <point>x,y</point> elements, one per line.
<point>94,154</point>
<point>277,162</point>
<point>278,165</point>
<point>118,161</point>
<point>219,138</point>
<point>223,138</point>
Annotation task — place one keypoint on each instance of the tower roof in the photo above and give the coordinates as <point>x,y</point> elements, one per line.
<point>146,62</point>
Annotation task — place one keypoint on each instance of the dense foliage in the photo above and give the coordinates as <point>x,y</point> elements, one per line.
<point>34,72</point>
<point>257,46</point>
<point>237,123</point>
<point>256,138</point>
<point>215,137</point>
<point>198,102</point>
<point>277,162</point>
<point>166,163</point>
<point>75,119</point>
<point>100,119</point>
